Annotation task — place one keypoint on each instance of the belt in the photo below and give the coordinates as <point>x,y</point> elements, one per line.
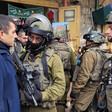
<point>62,104</point>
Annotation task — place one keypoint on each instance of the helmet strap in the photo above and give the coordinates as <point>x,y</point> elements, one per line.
<point>92,45</point>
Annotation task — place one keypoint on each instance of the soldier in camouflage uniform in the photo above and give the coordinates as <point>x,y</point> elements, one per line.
<point>46,66</point>
<point>69,62</point>
<point>86,82</point>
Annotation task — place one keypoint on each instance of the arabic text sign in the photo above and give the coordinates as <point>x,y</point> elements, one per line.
<point>24,13</point>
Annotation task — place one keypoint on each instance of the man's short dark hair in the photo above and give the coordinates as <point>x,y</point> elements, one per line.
<point>20,32</point>
<point>5,22</point>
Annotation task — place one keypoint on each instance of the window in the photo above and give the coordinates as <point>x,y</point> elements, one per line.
<point>69,15</point>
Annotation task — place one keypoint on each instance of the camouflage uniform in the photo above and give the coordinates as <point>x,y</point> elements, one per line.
<point>45,61</point>
<point>67,56</point>
<point>87,80</point>
<point>57,88</point>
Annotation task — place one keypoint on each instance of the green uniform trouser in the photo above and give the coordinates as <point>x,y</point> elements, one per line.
<point>36,109</point>
<point>85,98</point>
<point>60,108</point>
<point>62,103</point>
<point>109,98</point>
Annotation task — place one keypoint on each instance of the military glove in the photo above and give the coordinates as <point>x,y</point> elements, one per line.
<point>36,76</point>
<point>37,95</point>
<point>73,95</point>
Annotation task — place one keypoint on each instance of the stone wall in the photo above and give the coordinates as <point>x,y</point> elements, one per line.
<point>104,2</point>
<point>86,21</point>
<point>87,6</point>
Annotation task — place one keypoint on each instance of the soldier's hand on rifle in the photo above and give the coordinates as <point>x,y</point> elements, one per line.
<point>19,71</point>
<point>37,95</point>
<point>73,95</point>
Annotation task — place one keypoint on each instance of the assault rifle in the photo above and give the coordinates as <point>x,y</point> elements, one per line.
<point>24,77</point>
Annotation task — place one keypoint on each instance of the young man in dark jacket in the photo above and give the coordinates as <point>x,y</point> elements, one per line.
<point>9,97</point>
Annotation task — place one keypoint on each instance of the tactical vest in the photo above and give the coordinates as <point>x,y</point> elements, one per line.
<point>95,74</point>
<point>43,81</point>
<point>63,51</point>
<point>107,65</point>
<point>101,58</point>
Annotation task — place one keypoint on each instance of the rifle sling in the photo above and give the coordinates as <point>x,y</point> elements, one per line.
<point>45,66</point>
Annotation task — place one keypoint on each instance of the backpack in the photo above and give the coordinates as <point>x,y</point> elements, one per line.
<point>95,74</point>
<point>63,51</point>
<point>101,58</point>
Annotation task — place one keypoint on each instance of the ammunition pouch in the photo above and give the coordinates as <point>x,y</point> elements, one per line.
<point>48,104</point>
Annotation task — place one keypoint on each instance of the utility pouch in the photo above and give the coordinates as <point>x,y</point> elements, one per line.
<point>49,104</point>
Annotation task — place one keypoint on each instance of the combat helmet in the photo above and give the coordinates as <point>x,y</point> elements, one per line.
<point>40,25</point>
<point>109,18</point>
<point>95,37</point>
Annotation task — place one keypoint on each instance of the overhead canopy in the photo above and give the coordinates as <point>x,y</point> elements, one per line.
<point>99,16</point>
<point>43,3</point>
